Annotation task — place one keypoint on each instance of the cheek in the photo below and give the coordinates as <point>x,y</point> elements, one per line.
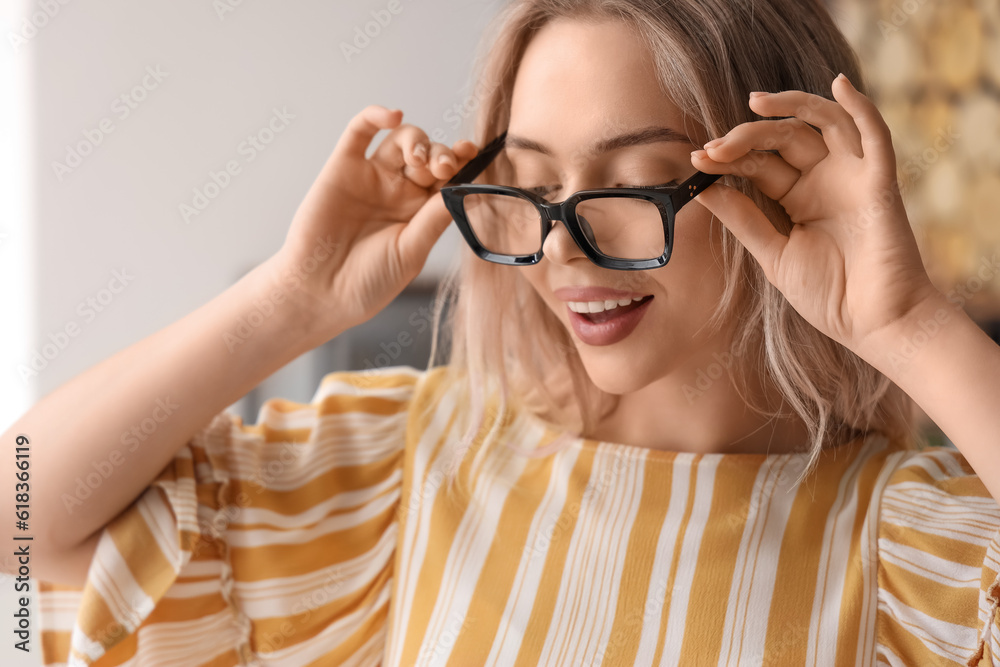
<point>693,281</point>
<point>535,277</point>
<point>697,252</point>
<point>696,232</point>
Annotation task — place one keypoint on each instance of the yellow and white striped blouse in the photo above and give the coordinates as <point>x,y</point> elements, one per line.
<point>325,535</point>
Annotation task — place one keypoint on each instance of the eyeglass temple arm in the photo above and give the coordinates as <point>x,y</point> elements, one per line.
<point>476,165</point>
<point>693,187</point>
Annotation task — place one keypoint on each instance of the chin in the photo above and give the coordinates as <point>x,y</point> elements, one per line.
<point>616,374</point>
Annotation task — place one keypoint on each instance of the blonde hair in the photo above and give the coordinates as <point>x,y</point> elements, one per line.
<point>510,352</point>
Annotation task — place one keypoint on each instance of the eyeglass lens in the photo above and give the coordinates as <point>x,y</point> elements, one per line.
<point>619,227</point>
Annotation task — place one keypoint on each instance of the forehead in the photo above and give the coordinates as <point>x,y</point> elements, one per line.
<point>580,81</point>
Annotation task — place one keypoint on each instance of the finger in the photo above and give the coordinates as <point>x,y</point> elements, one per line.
<point>876,139</point>
<point>425,228</point>
<point>769,173</point>
<point>441,165</point>
<point>432,173</point>
<point>839,130</point>
<point>463,151</point>
<point>443,162</point>
<point>747,222</point>
<point>362,129</point>
<point>421,233</point>
<point>800,145</point>
<point>406,152</point>
<point>405,145</point>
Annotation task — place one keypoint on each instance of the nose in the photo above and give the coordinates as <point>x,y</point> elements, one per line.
<point>588,231</point>
<point>559,246</point>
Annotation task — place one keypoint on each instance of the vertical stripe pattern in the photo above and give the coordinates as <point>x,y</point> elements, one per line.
<point>328,533</point>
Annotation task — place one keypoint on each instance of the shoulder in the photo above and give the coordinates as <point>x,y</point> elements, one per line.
<point>937,481</point>
<point>399,399</point>
<point>354,395</point>
<point>938,558</point>
<point>933,500</point>
<point>399,383</point>
<point>383,386</point>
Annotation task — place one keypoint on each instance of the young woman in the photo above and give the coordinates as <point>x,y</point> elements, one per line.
<point>677,413</point>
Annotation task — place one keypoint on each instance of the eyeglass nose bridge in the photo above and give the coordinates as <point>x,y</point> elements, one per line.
<point>553,213</point>
<point>556,213</point>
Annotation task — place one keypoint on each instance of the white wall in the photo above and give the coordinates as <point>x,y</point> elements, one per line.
<point>62,236</point>
<point>222,78</point>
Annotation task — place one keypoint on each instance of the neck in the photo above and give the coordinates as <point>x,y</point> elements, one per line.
<point>677,413</point>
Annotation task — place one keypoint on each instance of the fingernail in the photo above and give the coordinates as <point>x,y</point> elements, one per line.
<point>446,159</point>
<point>714,142</point>
<point>420,152</point>
<point>699,153</point>
<point>758,93</point>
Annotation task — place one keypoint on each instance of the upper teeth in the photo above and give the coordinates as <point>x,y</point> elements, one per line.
<point>599,306</point>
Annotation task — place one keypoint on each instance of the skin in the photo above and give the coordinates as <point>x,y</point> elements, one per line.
<point>850,267</point>
<point>654,370</point>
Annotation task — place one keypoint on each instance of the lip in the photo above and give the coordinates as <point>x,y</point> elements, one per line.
<point>610,332</point>
<point>593,294</point>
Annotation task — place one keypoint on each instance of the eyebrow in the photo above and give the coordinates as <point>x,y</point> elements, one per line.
<point>646,135</point>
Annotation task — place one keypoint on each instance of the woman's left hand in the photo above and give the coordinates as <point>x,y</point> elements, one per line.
<point>850,265</point>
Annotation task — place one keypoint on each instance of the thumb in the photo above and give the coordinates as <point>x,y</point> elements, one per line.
<point>748,223</point>
<point>422,231</point>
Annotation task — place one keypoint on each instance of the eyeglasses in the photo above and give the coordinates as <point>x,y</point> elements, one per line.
<point>628,229</point>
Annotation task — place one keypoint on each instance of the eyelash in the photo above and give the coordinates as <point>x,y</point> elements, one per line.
<point>542,190</point>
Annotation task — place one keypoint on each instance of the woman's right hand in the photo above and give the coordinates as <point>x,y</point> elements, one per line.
<point>366,225</point>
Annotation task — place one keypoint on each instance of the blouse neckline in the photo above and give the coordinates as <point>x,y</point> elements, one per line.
<point>667,456</point>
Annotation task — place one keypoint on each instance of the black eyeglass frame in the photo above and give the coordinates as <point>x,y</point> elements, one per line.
<point>668,200</point>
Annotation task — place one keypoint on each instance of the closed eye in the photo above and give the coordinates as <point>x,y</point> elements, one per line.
<point>543,190</point>
<point>671,184</point>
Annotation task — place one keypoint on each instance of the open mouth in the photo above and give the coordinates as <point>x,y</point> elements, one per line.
<point>614,312</point>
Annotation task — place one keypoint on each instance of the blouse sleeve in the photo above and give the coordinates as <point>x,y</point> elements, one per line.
<point>275,540</point>
<point>939,564</point>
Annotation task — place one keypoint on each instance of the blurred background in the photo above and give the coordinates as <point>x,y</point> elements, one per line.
<point>115,115</point>
<point>118,214</point>
<point>117,119</point>
<point>934,67</point>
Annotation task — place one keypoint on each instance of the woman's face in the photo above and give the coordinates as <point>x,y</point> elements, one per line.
<point>579,85</point>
